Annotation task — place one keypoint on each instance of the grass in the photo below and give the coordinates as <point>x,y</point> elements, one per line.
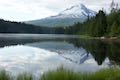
<point>105,37</point>
<point>105,74</point>
<point>4,75</point>
<point>25,76</point>
<point>88,37</point>
<point>62,74</point>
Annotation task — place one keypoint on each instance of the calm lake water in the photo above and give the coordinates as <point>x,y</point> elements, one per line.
<point>37,53</point>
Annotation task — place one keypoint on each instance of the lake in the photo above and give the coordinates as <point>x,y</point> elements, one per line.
<point>38,53</point>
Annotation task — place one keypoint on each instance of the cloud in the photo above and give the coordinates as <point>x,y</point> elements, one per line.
<point>21,10</point>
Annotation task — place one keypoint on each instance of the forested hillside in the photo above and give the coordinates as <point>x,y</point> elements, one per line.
<point>19,27</point>
<point>101,25</point>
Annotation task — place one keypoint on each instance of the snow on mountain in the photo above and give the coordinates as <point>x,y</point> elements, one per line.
<point>74,14</point>
<point>77,11</point>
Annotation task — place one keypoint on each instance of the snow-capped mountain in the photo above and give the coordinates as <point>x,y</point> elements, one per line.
<point>70,16</point>
<point>77,11</point>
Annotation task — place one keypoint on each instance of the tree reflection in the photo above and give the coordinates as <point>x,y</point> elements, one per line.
<point>100,50</point>
<point>114,53</point>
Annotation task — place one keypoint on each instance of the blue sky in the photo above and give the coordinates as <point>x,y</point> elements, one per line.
<point>23,10</point>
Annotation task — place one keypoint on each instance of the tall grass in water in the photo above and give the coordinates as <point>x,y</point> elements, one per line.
<point>105,74</point>
<point>4,75</point>
<point>25,76</point>
<point>62,74</point>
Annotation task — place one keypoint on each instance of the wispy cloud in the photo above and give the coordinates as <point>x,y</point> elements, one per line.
<point>20,10</point>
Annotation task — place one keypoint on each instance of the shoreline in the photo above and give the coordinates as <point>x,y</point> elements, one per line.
<point>100,38</point>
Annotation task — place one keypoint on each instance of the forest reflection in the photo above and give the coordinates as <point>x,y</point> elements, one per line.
<point>100,49</point>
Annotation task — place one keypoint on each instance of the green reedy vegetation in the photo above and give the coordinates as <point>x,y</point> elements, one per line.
<point>4,75</point>
<point>62,74</point>
<point>25,76</point>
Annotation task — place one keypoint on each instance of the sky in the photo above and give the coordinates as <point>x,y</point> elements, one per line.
<point>25,10</point>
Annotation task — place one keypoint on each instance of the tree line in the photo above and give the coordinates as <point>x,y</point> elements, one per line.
<point>20,27</point>
<point>101,25</point>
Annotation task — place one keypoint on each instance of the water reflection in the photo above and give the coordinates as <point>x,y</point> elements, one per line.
<point>100,50</point>
<point>114,53</point>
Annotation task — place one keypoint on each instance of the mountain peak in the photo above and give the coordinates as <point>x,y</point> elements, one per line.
<point>80,5</point>
<point>70,16</point>
<point>77,9</point>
